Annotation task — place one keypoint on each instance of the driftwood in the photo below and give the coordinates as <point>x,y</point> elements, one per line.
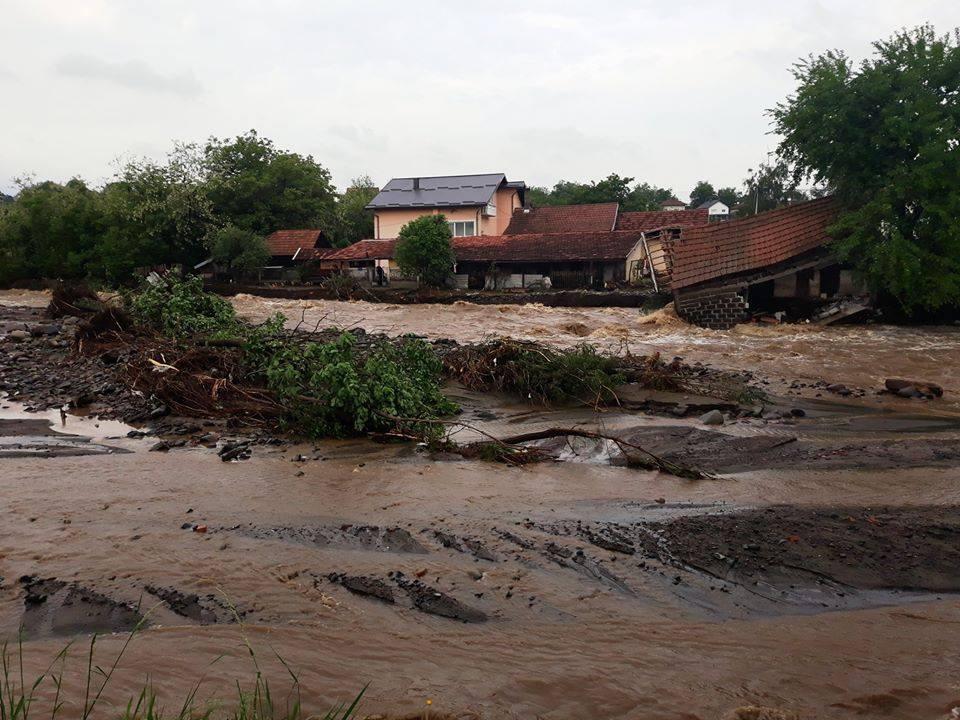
<point>511,449</point>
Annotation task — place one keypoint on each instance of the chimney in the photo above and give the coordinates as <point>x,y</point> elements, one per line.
<point>416,183</point>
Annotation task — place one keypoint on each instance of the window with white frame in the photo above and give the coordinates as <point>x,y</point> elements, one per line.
<point>462,228</point>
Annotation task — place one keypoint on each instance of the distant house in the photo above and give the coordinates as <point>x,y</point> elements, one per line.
<point>473,204</point>
<point>716,209</point>
<point>672,205</point>
<point>288,247</point>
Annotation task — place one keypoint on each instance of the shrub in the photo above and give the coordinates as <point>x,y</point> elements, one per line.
<point>334,389</point>
<point>178,306</point>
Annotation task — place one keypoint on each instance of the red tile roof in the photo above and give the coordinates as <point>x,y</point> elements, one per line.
<point>546,247</point>
<point>598,217</point>
<point>646,221</point>
<point>728,248</point>
<point>285,243</point>
<point>673,202</point>
<point>534,247</point>
<point>366,250</point>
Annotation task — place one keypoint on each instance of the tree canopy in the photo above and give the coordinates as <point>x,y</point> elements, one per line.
<point>613,188</point>
<point>702,192</point>
<point>884,135</point>
<point>240,250</point>
<point>172,211</point>
<point>424,249</point>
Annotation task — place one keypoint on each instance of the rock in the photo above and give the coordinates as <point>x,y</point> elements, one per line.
<point>895,385</point>
<point>798,412</point>
<point>909,391</point>
<point>838,388</point>
<point>18,335</point>
<point>162,446</point>
<point>39,330</point>
<point>714,417</point>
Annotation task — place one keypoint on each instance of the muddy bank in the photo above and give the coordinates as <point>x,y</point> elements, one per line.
<point>547,298</point>
<point>874,548</point>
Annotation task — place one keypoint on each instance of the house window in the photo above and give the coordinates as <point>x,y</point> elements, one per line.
<point>462,229</point>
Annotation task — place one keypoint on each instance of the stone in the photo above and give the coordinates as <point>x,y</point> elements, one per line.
<point>895,385</point>
<point>714,417</point>
<point>18,335</point>
<point>909,391</point>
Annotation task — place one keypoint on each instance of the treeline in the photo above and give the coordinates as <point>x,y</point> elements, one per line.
<point>221,198</point>
<point>768,187</point>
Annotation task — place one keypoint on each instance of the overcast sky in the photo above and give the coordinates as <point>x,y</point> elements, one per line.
<point>668,92</point>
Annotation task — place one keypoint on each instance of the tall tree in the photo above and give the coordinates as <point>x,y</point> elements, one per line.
<point>885,136</point>
<point>770,186</point>
<point>729,196</point>
<point>50,231</point>
<point>702,192</point>
<point>612,188</point>
<point>354,221</point>
<point>257,187</point>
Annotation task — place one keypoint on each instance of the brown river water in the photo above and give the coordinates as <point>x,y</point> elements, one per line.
<point>558,643</point>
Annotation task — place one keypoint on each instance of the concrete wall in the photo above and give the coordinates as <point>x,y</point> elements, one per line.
<point>718,309</point>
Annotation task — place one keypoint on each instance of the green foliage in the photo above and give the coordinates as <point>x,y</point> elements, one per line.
<point>163,213</point>
<point>769,187</point>
<point>537,373</point>
<point>50,231</point>
<point>241,251</point>
<point>729,196</point>
<point>612,188</point>
<point>334,389</point>
<point>423,249</point>
<point>883,136</point>
<point>702,192</point>
<point>179,307</point>
<point>257,187</point>
<point>354,221</point>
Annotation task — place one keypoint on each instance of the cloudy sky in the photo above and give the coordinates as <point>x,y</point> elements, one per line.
<point>543,90</point>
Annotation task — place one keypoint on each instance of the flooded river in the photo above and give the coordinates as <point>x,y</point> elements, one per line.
<point>573,629</point>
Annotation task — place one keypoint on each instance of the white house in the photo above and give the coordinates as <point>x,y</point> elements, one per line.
<point>716,210</point>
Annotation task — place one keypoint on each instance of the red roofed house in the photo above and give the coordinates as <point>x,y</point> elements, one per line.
<point>294,249</point>
<point>672,205</point>
<point>775,260</point>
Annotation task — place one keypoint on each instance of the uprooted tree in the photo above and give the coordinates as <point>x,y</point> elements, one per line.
<point>884,135</point>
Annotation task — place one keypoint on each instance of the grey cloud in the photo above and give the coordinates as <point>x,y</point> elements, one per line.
<point>132,74</point>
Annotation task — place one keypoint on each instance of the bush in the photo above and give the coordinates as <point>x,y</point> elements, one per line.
<point>333,389</point>
<point>424,250</point>
<point>242,251</point>
<point>179,306</point>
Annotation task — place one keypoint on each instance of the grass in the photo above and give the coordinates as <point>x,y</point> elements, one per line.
<point>22,698</point>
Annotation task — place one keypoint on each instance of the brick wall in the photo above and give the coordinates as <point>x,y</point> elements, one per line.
<point>717,309</point>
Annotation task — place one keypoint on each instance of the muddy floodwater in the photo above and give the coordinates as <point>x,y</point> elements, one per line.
<point>818,573</point>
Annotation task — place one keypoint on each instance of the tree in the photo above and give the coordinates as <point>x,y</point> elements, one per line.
<point>242,251</point>
<point>612,188</point>
<point>885,136</point>
<point>154,214</point>
<point>770,186</point>
<point>49,231</point>
<point>354,221</point>
<point>255,186</point>
<point>701,193</point>
<point>424,249</point>
<point>729,196</point>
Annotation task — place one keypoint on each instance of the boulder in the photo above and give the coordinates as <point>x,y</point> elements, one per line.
<point>895,385</point>
<point>714,417</point>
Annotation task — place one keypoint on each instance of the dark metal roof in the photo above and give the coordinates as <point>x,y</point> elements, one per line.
<point>707,203</point>
<point>444,191</point>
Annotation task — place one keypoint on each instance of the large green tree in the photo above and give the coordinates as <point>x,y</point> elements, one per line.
<point>424,249</point>
<point>884,135</point>
<point>242,251</point>
<point>354,221</point>
<point>770,186</point>
<point>51,230</point>
<point>702,192</point>
<point>257,187</point>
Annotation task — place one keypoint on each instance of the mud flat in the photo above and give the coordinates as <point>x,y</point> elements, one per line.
<point>816,574</point>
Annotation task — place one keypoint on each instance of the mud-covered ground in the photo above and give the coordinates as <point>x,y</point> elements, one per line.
<point>816,574</point>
